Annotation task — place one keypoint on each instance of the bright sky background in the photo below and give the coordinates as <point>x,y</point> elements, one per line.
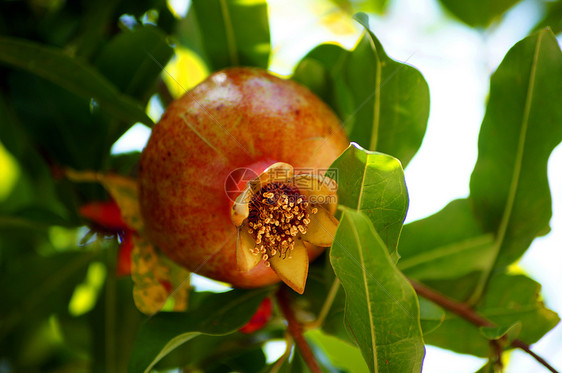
<point>457,62</point>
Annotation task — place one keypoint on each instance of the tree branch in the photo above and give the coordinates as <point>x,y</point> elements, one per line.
<point>470,315</point>
<point>296,329</point>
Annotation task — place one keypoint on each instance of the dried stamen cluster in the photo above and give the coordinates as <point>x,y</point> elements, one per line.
<point>278,213</point>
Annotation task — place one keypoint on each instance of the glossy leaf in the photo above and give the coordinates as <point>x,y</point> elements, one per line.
<point>77,77</point>
<point>373,183</point>
<point>217,314</point>
<point>509,185</point>
<point>384,104</point>
<point>478,13</point>
<point>233,32</point>
<point>510,299</point>
<point>382,312</point>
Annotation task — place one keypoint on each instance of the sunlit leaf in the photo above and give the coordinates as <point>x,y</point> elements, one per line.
<point>233,32</point>
<point>373,183</point>
<point>509,185</point>
<point>382,311</point>
<point>383,104</point>
<point>341,354</point>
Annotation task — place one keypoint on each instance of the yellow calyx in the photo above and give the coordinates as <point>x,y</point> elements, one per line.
<point>276,214</point>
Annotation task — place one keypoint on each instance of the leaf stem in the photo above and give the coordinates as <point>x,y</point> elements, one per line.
<point>296,329</point>
<point>470,315</point>
<point>326,306</point>
<point>279,363</point>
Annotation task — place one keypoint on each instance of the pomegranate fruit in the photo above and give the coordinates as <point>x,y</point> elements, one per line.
<point>197,200</point>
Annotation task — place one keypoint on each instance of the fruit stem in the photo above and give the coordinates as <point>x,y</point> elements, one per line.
<point>296,329</point>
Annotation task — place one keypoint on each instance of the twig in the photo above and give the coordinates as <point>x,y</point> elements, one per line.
<point>470,315</point>
<point>458,308</point>
<point>525,347</point>
<point>296,329</point>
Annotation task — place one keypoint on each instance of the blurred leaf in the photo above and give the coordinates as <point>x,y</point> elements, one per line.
<point>71,74</point>
<point>384,104</point>
<point>510,299</point>
<point>322,70</point>
<point>249,360</point>
<point>60,123</point>
<point>498,332</point>
<point>210,352</point>
<point>369,6</point>
<point>446,245</point>
<point>489,367</point>
<point>35,287</point>
<point>134,59</point>
<point>93,26</point>
<point>217,314</point>
<point>373,183</point>
<point>114,324</point>
<point>509,184</point>
<point>431,315</point>
<point>478,13</point>
<point>342,355</point>
<point>382,311</point>
<point>552,17</point>
<point>233,32</point>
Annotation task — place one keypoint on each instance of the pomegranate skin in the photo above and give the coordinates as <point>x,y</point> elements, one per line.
<point>239,117</point>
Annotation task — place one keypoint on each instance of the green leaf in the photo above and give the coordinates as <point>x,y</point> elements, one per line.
<point>510,299</point>
<point>341,354</point>
<point>431,316</point>
<point>498,332</point>
<point>134,59</point>
<point>478,13</point>
<point>509,184</point>
<point>217,314</point>
<point>44,285</point>
<point>384,104</point>
<point>370,6</point>
<point>373,183</point>
<point>552,17</point>
<point>77,77</point>
<point>446,245</point>
<point>382,311</point>
<point>233,32</point>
